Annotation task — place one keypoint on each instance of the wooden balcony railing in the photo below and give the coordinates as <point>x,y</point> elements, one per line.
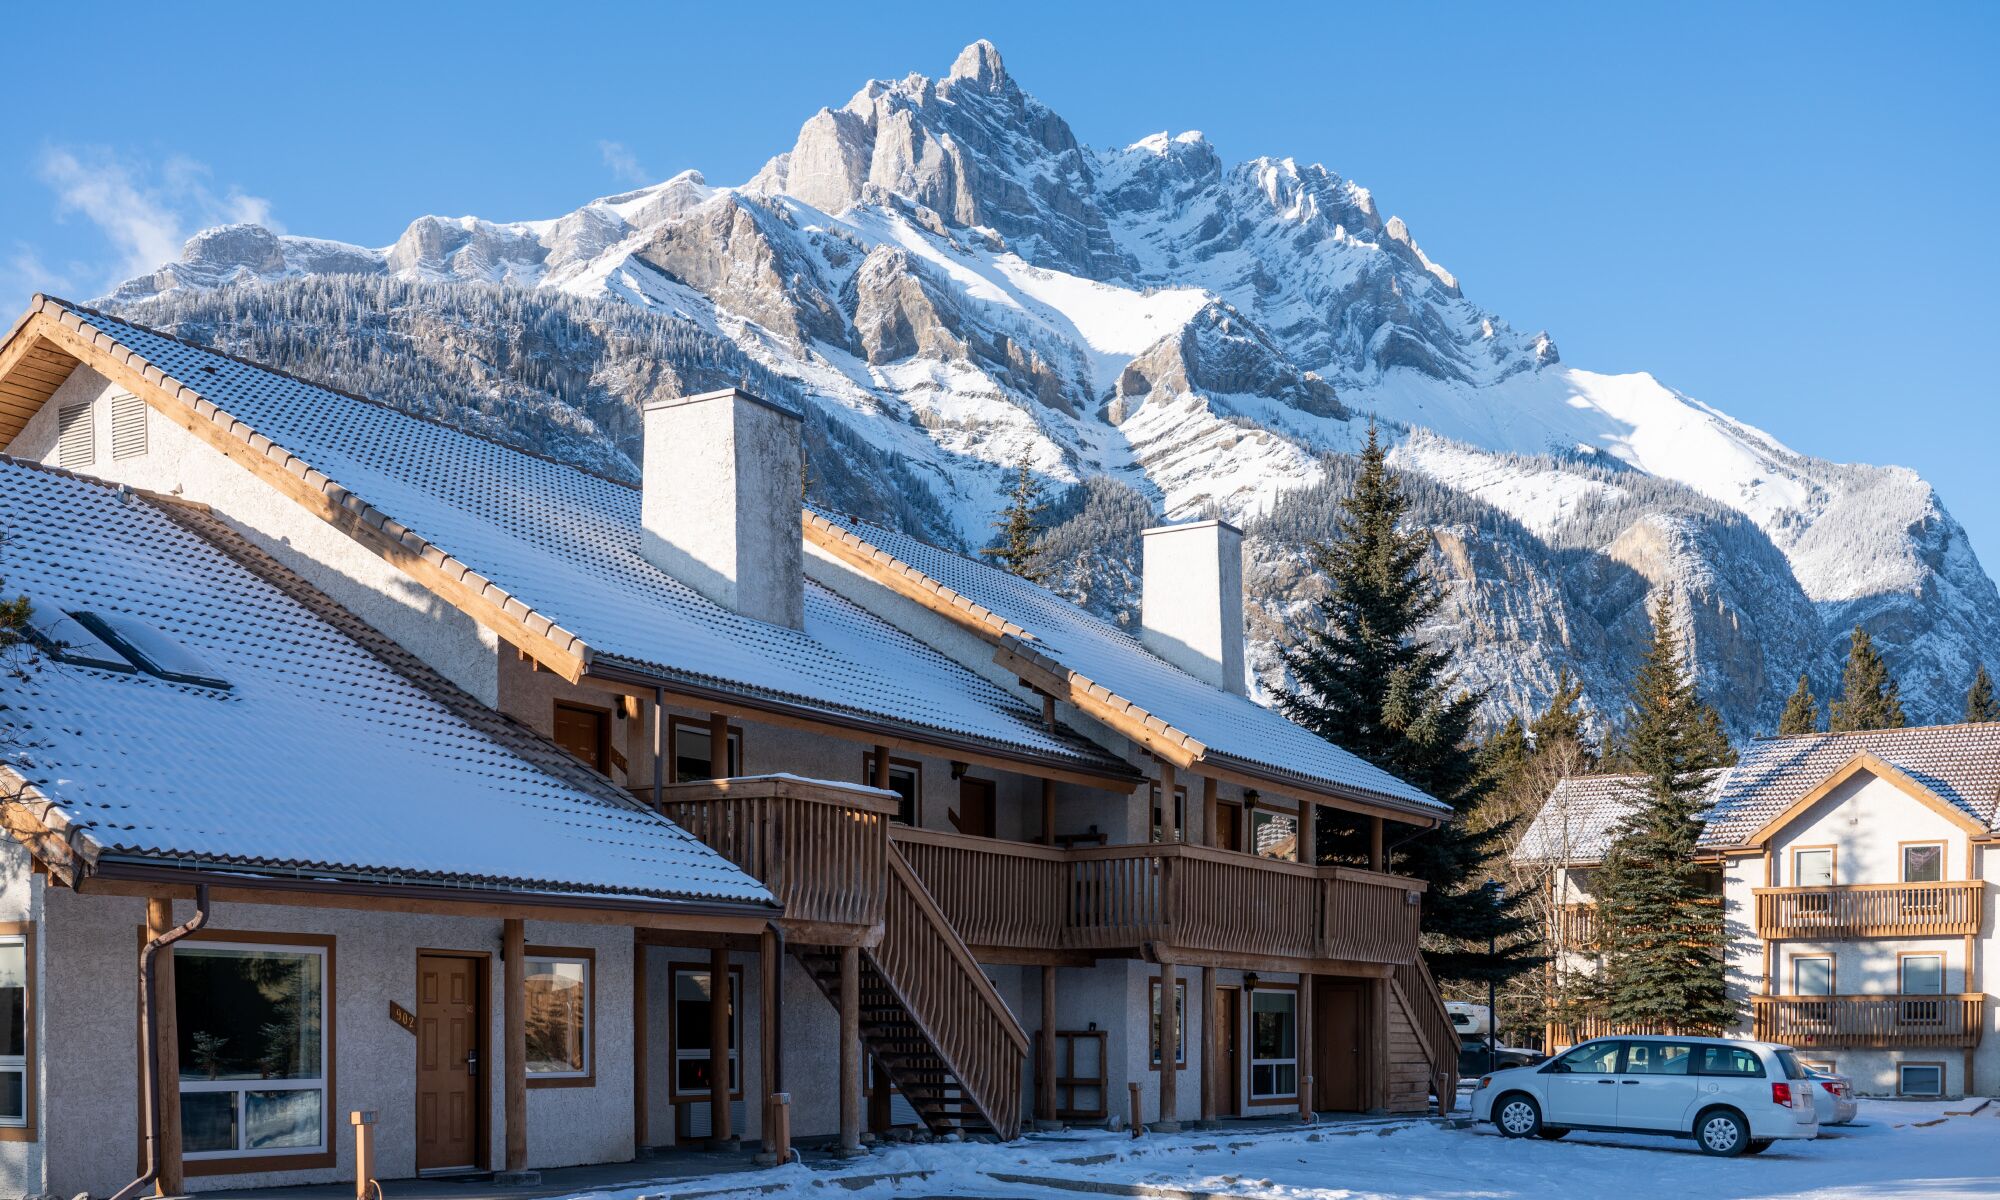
<point>1576,927</point>
<point>822,849</point>
<point>1870,1021</point>
<point>1015,895</point>
<point>1864,910</point>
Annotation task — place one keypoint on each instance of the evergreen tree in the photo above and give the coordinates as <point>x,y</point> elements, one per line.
<point>1559,721</point>
<point>1366,682</point>
<point>1020,543</point>
<point>1801,713</point>
<point>1980,704</point>
<point>1869,698</point>
<point>1663,935</point>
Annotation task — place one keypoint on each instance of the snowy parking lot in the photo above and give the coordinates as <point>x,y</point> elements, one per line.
<point>1933,1151</point>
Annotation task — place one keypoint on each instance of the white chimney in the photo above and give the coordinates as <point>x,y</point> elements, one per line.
<point>720,502</point>
<point>1191,600</point>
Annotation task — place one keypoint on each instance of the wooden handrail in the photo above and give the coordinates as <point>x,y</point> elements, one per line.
<point>790,787</point>
<point>1419,993</point>
<point>1953,908</point>
<point>820,848</point>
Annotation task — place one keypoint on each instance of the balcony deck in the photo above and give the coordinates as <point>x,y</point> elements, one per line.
<point>1886,1022</point>
<point>1196,902</point>
<point>1871,910</point>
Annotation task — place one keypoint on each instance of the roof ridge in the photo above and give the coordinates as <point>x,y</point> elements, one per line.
<point>1899,729</point>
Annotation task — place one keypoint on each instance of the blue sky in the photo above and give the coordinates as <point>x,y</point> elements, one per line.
<point>1787,211</point>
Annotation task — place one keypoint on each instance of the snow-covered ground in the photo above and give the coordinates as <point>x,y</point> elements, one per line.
<point>1905,1150</point>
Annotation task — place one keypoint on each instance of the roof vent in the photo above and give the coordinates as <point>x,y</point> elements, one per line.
<point>152,651</point>
<point>76,436</point>
<point>128,426</point>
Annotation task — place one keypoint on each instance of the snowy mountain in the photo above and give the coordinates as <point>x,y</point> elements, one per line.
<point>950,281</point>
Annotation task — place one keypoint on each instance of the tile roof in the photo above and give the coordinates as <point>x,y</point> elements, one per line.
<point>1959,763</point>
<point>1577,822</point>
<point>559,548</point>
<point>1227,726</point>
<point>322,758</point>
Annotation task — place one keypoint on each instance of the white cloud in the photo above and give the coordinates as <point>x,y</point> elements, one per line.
<point>624,164</point>
<point>144,212</point>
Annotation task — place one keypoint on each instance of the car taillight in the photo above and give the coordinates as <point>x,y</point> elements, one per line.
<point>1781,1093</point>
<point>1834,1088</point>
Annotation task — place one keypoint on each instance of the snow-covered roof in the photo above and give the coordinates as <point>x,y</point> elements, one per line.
<point>324,756</point>
<point>1229,727</point>
<point>559,548</point>
<point>1580,818</point>
<point>1960,764</point>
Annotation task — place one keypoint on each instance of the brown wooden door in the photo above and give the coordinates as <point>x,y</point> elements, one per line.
<point>1229,826</point>
<point>586,733</point>
<point>1228,1043</point>
<point>975,807</point>
<point>448,1023</point>
<point>1339,1057</point>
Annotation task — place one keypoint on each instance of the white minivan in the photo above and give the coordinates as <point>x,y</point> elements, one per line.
<point>1731,1097</point>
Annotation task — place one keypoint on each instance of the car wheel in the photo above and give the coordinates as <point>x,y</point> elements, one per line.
<point>1722,1133</point>
<point>1757,1146</point>
<point>1553,1135</point>
<point>1518,1115</point>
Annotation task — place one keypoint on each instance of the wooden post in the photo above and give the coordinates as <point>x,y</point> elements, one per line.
<point>1048,812</point>
<point>1305,1040</point>
<point>850,1044</point>
<point>769,974</point>
<point>1308,836</point>
<point>1169,828</point>
<point>1208,1033</point>
<point>1211,813</point>
<point>363,1121</point>
<point>1376,860</point>
<point>1377,1053</point>
<point>780,1139</point>
<point>660,747</point>
<point>1138,1112</point>
<point>166,1052</point>
<point>720,1131</point>
<point>1170,1069</point>
<point>1045,1050</point>
<point>718,746</point>
<point>514,1028</point>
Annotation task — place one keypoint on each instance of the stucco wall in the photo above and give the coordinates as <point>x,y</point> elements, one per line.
<point>177,463</point>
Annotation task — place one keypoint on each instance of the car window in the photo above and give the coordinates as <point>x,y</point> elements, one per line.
<point>1790,1064</point>
<point>1591,1058</point>
<point>1728,1060</point>
<point>1658,1058</point>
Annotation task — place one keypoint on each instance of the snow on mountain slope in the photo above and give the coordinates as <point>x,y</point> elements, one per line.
<point>956,283</point>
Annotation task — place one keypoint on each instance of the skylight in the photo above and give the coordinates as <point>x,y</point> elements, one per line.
<point>152,651</point>
<point>66,640</point>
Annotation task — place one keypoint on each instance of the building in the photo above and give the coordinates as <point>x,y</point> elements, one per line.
<point>1854,873</point>
<point>972,838</point>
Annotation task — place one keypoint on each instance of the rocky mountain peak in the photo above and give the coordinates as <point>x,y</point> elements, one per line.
<point>979,64</point>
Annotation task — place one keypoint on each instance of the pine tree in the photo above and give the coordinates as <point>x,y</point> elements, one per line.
<point>1664,937</point>
<point>1020,529</point>
<point>1560,721</point>
<point>1870,698</point>
<point>1366,682</point>
<point>1801,713</point>
<point>1980,704</point>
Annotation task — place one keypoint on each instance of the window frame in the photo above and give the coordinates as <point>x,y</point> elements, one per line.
<point>567,954</point>
<point>1903,860</point>
<point>702,726</point>
<point>916,770</point>
<point>1832,975</point>
<point>1902,967</point>
<point>291,1158</point>
<point>1903,1067</point>
<point>604,718</point>
<point>1180,1027</point>
<point>26,1129</point>
<point>738,1034</point>
<point>1832,865</point>
<point>1252,1098</point>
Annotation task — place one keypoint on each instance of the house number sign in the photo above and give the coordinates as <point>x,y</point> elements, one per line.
<point>402,1016</point>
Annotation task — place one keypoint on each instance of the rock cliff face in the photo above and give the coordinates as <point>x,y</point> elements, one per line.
<point>948,281</point>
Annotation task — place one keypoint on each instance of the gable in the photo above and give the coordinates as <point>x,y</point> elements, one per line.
<point>1861,767</point>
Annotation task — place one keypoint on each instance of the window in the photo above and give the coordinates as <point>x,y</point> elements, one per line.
<point>1180,1022</point>
<point>17,962</point>
<point>694,759</point>
<point>152,651</point>
<point>1180,813</point>
<point>1923,862</point>
<point>586,733</point>
<point>253,1048</point>
<point>689,987</point>
<point>1591,1058</point>
<point>1920,1079</point>
<point>1728,1060</point>
<point>1922,974</point>
<point>1658,1058</point>
<point>1812,976</point>
<point>1274,834</point>
<point>1813,867</point>
<point>906,779</point>
<point>1274,1045</point>
<point>558,1011</point>
<point>68,640</point>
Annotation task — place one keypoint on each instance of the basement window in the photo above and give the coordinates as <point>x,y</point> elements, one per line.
<point>152,651</point>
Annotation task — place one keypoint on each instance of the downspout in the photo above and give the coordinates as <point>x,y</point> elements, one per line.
<point>149,1035</point>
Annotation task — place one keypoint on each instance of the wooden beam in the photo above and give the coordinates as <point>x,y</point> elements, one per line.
<point>1048,812</point>
<point>1170,829</point>
<point>166,1051</point>
<point>850,1051</point>
<point>1208,1032</point>
<point>1170,1072</point>
<point>1045,1050</point>
<point>1307,1083</point>
<point>718,746</point>
<point>1101,704</point>
<point>1273,785</point>
<point>1309,834</point>
<point>514,1028</point>
<point>720,1122</point>
<point>769,980</point>
<point>1376,858</point>
<point>1211,812</point>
